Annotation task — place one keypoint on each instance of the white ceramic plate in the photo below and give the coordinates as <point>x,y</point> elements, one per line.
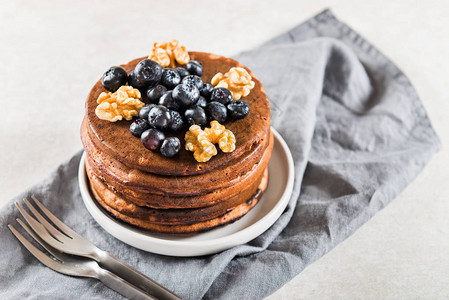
<point>259,219</point>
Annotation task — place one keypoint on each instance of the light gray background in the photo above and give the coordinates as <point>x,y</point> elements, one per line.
<point>51,53</point>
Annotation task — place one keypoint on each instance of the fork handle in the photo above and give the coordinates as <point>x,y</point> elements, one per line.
<point>136,278</point>
<point>121,286</point>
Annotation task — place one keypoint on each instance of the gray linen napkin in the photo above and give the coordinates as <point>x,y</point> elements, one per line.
<point>358,134</point>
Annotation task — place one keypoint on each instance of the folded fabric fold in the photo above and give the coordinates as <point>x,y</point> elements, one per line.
<point>358,134</point>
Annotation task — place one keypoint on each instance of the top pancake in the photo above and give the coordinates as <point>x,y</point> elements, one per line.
<point>116,140</point>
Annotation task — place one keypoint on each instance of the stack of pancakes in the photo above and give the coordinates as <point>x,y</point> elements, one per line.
<point>178,195</point>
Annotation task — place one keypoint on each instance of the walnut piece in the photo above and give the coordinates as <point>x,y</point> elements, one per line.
<point>236,80</point>
<point>219,134</point>
<point>166,54</point>
<point>198,142</point>
<point>201,142</point>
<point>122,104</point>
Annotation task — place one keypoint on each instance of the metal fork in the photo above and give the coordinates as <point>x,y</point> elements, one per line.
<point>77,266</point>
<point>68,241</point>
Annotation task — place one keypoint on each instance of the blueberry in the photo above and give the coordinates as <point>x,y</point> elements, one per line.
<point>195,115</point>
<point>201,102</point>
<point>238,109</point>
<point>143,113</point>
<point>182,72</point>
<point>147,73</point>
<point>206,90</point>
<point>159,117</point>
<point>139,126</point>
<point>221,95</point>
<point>168,101</point>
<point>186,94</point>
<point>152,139</point>
<point>132,81</point>
<point>177,123</point>
<point>216,111</point>
<point>154,93</point>
<point>114,78</point>
<point>195,67</point>
<point>170,147</point>
<point>170,78</point>
<point>193,79</point>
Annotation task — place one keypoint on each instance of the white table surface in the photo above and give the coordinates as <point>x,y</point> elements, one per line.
<point>52,52</point>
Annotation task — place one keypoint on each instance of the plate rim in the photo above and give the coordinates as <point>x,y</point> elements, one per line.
<point>221,243</point>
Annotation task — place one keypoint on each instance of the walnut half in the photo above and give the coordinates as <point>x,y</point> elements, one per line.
<point>122,104</point>
<point>237,80</point>
<point>166,54</point>
<point>201,142</point>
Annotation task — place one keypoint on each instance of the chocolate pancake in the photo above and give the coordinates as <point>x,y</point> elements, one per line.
<point>189,228</point>
<point>168,216</point>
<point>247,181</point>
<point>116,140</point>
<point>122,177</point>
<point>178,195</point>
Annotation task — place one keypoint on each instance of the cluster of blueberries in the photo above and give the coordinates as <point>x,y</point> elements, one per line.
<point>177,97</point>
